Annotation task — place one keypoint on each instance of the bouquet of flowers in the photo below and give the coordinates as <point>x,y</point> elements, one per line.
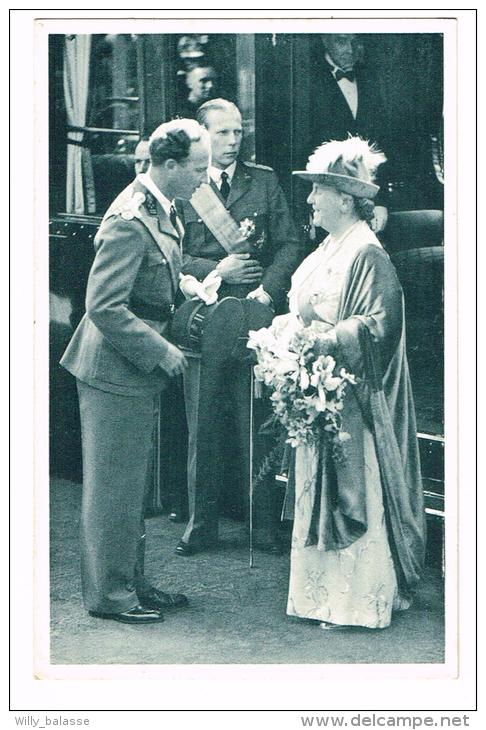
<point>307,387</point>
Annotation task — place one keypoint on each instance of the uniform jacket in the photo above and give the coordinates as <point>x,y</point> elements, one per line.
<point>256,201</point>
<point>137,260</point>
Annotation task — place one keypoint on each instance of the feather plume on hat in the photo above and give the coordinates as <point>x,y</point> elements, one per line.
<point>350,165</point>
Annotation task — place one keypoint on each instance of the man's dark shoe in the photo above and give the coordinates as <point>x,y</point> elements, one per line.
<point>138,615</point>
<point>185,549</point>
<point>160,601</point>
<point>191,548</point>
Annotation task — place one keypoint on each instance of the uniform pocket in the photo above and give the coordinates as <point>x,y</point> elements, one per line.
<point>152,278</point>
<point>112,367</point>
<point>154,258</point>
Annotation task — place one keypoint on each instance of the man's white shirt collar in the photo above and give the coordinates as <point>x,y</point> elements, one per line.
<point>334,66</point>
<point>215,173</point>
<point>348,88</point>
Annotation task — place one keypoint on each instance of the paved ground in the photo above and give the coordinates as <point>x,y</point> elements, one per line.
<point>237,615</point>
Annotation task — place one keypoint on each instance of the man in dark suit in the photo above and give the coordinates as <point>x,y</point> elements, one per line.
<point>345,100</point>
<point>261,271</point>
<point>122,360</point>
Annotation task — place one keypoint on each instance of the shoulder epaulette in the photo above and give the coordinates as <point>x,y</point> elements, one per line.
<point>258,167</point>
<point>128,207</point>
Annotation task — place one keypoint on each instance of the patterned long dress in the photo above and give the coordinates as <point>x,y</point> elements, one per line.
<point>357,585</point>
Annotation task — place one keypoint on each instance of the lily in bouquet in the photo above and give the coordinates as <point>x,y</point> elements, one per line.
<point>308,387</point>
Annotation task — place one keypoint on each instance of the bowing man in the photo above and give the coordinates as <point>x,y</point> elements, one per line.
<point>122,361</point>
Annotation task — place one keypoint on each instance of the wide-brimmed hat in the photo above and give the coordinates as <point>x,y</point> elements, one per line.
<point>349,165</point>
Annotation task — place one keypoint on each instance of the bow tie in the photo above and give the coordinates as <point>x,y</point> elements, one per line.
<point>340,74</point>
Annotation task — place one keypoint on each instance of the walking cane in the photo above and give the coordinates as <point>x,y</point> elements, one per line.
<point>251,463</point>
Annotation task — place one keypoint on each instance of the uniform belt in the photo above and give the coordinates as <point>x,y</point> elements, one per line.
<point>155,312</point>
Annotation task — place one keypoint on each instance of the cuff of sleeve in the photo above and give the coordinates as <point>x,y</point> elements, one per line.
<point>331,334</point>
<point>158,356</point>
<point>267,294</point>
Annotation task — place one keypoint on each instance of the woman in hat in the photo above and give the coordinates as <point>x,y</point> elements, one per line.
<point>359,525</point>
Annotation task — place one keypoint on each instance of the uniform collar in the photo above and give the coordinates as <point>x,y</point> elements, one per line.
<point>215,173</point>
<point>145,180</point>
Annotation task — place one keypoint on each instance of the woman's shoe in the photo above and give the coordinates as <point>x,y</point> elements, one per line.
<point>326,626</point>
<point>402,603</point>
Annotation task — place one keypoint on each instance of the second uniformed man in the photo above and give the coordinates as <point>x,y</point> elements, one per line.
<point>258,267</point>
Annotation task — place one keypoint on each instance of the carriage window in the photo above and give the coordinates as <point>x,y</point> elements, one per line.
<point>100,91</point>
<point>114,88</point>
<point>113,114</point>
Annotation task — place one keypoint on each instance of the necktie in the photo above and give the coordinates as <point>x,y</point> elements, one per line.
<point>174,219</point>
<point>225,186</point>
<point>340,74</point>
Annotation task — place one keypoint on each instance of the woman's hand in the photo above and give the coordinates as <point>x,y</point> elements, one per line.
<point>320,327</point>
<point>280,322</point>
<point>327,343</point>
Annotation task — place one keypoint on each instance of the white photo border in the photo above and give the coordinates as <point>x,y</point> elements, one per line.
<point>422,687</point>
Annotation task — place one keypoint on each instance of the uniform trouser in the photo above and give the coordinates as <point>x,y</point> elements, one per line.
<point>116,440</point>
<point>210,449</point>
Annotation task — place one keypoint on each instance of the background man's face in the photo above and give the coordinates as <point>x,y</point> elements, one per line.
<point>201,82</point>
<point>225,130</point>
<point>192,171</point>
<point>342,48</point>
<point>142,157</point>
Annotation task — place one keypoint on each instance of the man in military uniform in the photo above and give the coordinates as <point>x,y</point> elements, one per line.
<point>257,266</point>
<point>122,360</point>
